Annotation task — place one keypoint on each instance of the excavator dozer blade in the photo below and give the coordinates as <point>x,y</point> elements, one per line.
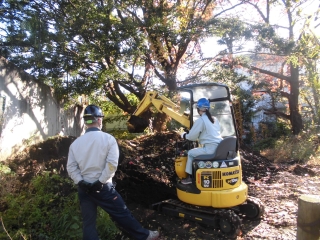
<point>136,124</point>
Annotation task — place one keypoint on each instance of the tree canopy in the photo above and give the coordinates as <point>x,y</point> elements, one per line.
<point>282,42</point>
<point>116,48</point>
<point>107,45</point>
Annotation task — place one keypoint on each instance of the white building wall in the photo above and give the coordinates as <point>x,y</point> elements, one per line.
<point>30,113</point>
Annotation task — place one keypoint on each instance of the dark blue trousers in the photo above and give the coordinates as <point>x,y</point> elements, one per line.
<point>111,202</point>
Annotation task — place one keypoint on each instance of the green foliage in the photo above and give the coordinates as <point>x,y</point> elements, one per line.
<point>113,114</point>
<point>268,39</point>
<point>4,169</point>
<point>105,227</point>
<point>265,144</point>
<point>302,148</point>
<point>124,134</point>
<point>307,54</point>
<point>231,30</point>
<point>268,135</point>
<point>222,73</point>
<point>108,107</point>
<point>282,129</point>
<point>111,111</point>
<point>116,118</point>
<point>247,103</point>
<point>69,48</point>
<point>9,182</point>
<point>48,209</point>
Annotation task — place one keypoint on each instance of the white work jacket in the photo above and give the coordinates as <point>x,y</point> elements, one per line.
<point>93,156</point>
<point>205,131</point>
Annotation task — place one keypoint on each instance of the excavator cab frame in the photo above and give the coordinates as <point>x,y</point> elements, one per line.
<point>221,106</point>
<point>217,178</point>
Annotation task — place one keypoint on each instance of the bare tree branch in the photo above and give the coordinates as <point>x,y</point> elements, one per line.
<point>273,74</point>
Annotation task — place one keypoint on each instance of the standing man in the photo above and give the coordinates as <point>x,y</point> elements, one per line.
<point>92,162</point>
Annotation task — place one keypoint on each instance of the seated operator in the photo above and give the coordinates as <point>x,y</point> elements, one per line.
<point>206,130</point>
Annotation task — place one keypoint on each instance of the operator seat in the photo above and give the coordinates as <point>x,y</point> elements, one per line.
<point>225,156</point>
<point>226,150</point>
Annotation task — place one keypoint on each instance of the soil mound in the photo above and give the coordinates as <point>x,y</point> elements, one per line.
<point>146,176</point>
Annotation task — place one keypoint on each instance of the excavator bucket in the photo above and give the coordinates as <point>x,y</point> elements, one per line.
<point>137,124</point>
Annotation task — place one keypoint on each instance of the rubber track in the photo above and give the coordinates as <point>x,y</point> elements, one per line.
<point>258,203</point>
<point>227,214</point>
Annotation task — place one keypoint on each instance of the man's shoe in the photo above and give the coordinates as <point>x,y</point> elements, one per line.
<point>153,235</point>
<point>187,180</point>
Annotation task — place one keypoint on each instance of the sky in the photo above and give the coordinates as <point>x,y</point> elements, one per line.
<point>277,17</point>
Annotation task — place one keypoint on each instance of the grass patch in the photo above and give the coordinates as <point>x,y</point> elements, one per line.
<point>303,148</point>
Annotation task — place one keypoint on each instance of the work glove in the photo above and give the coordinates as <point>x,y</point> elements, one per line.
<point>85,186</point>
<point>97,186</point>
<point>183,135</point>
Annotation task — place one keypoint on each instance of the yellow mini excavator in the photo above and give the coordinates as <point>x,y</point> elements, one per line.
<point>217,196</point>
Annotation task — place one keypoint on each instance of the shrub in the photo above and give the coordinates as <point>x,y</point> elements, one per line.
<point>48,208</point>
<point>265,144</point>
<point>123,134</point>
<point>301,148</point>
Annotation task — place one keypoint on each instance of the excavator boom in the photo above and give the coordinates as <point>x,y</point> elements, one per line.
<point>163,104</point>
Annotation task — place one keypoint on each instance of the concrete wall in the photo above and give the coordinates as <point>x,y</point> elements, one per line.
<point>29,112</point>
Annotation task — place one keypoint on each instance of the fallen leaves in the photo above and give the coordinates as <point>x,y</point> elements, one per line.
<point>147,175</point>
<point>277,185</point>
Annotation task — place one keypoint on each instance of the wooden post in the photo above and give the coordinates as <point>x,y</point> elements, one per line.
<point>308,221</point>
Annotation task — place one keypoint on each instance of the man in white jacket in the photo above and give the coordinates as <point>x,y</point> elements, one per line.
<point>92,162</point>
<point>206,130</point>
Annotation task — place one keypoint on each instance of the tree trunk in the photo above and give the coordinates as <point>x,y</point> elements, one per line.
<point>293,96</point>
<point>313,78</point>
<point>78,111</point>
<point>295,116</point>
<point>160,122</point>
<point>308,221</point>
<point>239,119</point>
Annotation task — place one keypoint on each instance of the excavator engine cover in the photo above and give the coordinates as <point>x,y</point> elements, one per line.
<point>137,124</point>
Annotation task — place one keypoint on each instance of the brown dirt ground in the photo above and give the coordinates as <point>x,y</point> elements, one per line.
<point>146,175</point>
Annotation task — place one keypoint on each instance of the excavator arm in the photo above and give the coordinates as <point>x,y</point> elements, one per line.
<point>162,104</point>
